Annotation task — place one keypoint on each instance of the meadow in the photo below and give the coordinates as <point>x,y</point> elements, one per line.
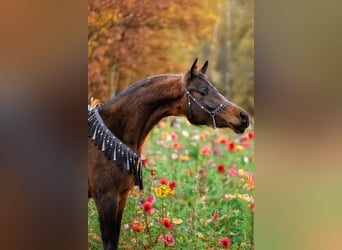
<point>198,191</point>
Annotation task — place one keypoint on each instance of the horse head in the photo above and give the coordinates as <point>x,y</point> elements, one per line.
<point>207,106</point>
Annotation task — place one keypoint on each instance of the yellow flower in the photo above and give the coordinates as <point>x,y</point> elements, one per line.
<point>164,135</point>
<point>239,148</point>
<point>163,191</point>
<point>185,158</point>
<point>241,172</point>
<point>177,221</point>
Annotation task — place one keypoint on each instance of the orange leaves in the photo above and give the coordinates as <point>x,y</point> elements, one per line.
<point>130,40</point>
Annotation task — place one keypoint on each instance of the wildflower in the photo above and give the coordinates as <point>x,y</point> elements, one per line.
<point>185,133</point>
<point>185,158</point>
<point>145,160</point>
<point>232,171</point>
<point>164,135</point>
<point>231,146</point>
<point>177,221</point>
<point>202,137</point>
<point>177,146</point>
<point>244,138</point>
<point>215,216</point>
<point>221,169</point>
<point>163,181</point>
<point>225,242</point>
<point>252,206</point>
<point>153,174</point>
<point>167,223</point>
<point>137,227</point>
<point>147,206</point>
<point>151,199</point>
<point>215,148</point>
<point>250,180</point>
<point>167,239</point>
<point>163,191</point>
<point>205,151</point>
<point>250,135</point>
<point>174,156</point>
<point>239,148</point>
<point>241,172</point>
<point>245,144</point>
<point>229,196</point>
<point>172,185</point>
<point>222,140</point>
<point>173,136</point>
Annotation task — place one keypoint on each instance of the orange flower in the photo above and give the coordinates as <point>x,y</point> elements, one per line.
<point>205,151</point>
<point>137,227</point>
<point>222,140</point>
<point>177,146</point>
<point>250,180</point>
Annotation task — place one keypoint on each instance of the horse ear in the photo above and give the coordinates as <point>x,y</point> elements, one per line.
<point>204,67</point>
<point>193,69</point>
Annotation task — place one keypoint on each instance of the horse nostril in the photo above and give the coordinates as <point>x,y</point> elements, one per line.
<point>243,118</point>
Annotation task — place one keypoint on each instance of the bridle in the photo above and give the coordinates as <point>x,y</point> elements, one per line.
<point>212,113</point>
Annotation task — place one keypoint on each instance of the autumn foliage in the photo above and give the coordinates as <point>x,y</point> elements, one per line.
<point>130,40</point>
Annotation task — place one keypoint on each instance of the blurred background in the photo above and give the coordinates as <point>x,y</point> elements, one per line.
<point>131,40</point>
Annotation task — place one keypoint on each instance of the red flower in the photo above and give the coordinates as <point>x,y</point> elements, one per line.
<point>246,144</point>
<point>221,169</point>
<point>145,160</point>
<point>251,135</point>
<point>153,174</point>
<point>167,223</point>
<point>215,216</point>
<point>147,206</point>
<point>137,227</point>
<point>231,146</point>
<point>151,199</point>
<point>205,151</point>
<point>177,146</point>
<point>232,171</point>
<point>225,242</point>
<point>163,181</point>
<point>252,206</point>
<point>167,239</point>
<point>173,136</point>
<point>244,137</point>
<point>222,140</point>
<point>172,185</point>
<point>215,148</point>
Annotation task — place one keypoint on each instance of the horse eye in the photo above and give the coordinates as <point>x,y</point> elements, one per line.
<point>203,91</point>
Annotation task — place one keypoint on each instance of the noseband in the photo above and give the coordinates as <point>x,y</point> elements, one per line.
<point>212,113</point>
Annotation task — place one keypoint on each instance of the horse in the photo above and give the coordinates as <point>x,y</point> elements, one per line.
<point>118,128</point>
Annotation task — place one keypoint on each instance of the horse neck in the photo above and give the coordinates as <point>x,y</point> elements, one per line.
<point>132,116</point>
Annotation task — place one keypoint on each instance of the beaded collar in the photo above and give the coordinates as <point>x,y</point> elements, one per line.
<point>112,147</point>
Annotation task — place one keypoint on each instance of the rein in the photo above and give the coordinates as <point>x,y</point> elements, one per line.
<point>212,113</point>
<point>114,149</point>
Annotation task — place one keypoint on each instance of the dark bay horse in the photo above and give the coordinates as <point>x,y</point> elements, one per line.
<point>118,128</point>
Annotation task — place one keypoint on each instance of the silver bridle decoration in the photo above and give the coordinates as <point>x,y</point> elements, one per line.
<point>112,147</point>
<point>212,113</point>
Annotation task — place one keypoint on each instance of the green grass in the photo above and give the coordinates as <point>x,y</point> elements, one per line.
<point>200,191</point>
